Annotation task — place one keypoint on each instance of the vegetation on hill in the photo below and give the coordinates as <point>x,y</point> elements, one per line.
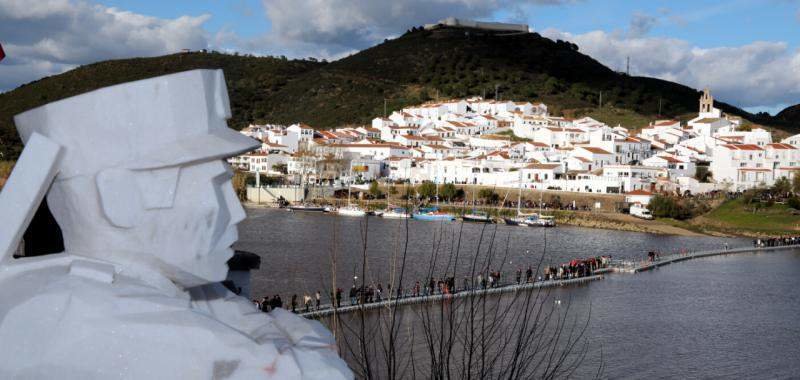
<point>416,67</point>
<point>740,218</point>
<point>252,83</point>
<point>790,115</point>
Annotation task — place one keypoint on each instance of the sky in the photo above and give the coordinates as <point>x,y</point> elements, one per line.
<point>746,51</point>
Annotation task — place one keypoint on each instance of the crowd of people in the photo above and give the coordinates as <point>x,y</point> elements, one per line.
<point>367,294</point>
<point>576,268</point>
<point>777,242</point>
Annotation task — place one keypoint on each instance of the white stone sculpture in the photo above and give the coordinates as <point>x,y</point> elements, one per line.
<point>148,214</point>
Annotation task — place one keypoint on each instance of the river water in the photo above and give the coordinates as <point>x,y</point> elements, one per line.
<point>720,317</point>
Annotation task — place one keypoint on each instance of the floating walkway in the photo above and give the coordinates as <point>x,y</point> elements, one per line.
<point>641,266</point>
<point>327,310</point>
<point>628,266</point>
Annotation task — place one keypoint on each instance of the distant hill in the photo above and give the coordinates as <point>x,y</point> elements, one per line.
<point>419,66</point>
<point>790,115</point>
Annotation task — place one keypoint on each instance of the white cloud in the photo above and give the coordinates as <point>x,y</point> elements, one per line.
<point>344,25</point>
<point>47,37</point>
<point>757,75</point>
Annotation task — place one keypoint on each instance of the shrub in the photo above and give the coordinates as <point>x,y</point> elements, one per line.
<point>794,202</point>
<point>663,206</point>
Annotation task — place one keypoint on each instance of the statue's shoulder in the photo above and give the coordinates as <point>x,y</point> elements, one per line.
<point>68,284</point>
<point>82,318</point>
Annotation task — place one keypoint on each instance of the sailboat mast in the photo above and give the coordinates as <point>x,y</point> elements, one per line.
<point>350,184</point>
<point>519,193</point>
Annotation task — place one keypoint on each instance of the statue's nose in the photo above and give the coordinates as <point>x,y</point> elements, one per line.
<point>237,213</point>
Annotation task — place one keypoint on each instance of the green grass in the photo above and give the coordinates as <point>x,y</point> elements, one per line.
<point>614,116</point>
<point>513,137</point>
<point>775,220</point>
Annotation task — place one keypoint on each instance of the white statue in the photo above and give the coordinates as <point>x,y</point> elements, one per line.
<point>148,214</point>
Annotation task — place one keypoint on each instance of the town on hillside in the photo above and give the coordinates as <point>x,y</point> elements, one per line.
<point>519,144</point>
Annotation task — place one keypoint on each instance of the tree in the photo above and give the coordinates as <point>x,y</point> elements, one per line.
<point>375,190</point>
<point>448,191</point>
<point>392,190</point>
<point>703,174</point>
<point>670,207</point>
<point>796,183</point>
<point>488,195</point>
<point>782,186</point>
<point>239,182</point>
<point>427,190</point>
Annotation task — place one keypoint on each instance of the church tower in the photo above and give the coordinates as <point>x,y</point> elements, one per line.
<point>706,102</point>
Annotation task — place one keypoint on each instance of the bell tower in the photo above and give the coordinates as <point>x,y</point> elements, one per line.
<point>706,102</point>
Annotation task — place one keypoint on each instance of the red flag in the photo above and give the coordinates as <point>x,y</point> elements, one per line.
<point>2,53</point>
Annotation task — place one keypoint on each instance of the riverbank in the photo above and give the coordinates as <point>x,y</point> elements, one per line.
<point>625,222</point>
<point>588,219</point>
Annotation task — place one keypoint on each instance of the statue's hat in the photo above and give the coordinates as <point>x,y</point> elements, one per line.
<point>171,120</point>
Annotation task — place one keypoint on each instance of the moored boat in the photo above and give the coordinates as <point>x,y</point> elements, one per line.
<point>433,214</point>
<point>477,217</point>
<point>396,213</point>
<point>306,207</point>
<point>351,210</point>
<point>547,221</point>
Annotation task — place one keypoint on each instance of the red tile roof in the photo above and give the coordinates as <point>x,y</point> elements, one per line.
<point>596,150</point>
<point>639,192</point>
<point>780,146</point>
<point>742,147</point>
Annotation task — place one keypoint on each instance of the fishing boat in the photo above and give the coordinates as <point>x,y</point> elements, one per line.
<point>433,214</point>
<point>396,213</point>
<point>477,217</point>
<point>306,207</point>
<point>351,210</point>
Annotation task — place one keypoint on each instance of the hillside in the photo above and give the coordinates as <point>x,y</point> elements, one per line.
<point>790,115</point>
<point>416,67</point>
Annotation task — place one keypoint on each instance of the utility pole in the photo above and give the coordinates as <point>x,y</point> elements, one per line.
<point>384,107</point>
<point>496,87</point>
<point>601,99</point>
<point>628,66</point>
<point>659,106</point>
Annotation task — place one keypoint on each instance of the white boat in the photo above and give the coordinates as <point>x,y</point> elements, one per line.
<point>396,213</point>
<point>547,221</point>
<point>306,207</point>
<point>477,217</point>
<point>352,210</point>
<point>524,220</point>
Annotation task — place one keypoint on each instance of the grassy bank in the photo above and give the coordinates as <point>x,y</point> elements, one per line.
<point>734,217</point>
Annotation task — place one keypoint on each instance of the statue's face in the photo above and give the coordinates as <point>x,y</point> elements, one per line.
<point>193,238</point>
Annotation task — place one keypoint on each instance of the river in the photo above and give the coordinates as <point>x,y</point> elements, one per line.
<point>729,316</point>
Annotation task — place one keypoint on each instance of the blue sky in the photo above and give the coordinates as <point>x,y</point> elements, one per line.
<point>745,50</point>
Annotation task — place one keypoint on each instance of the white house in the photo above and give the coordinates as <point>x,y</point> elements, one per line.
<point>742,166</point>
<point>641,197</point>
<point>677,166</point>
